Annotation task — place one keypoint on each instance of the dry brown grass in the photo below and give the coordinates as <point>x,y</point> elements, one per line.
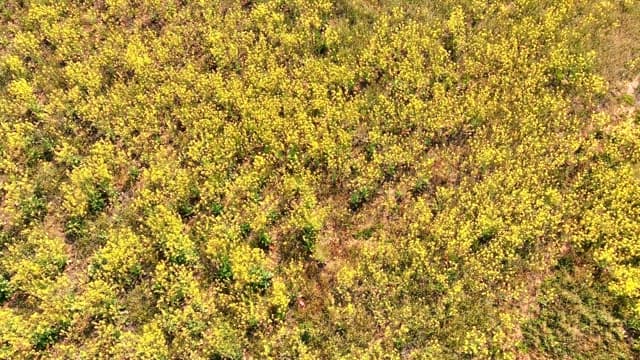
<point>621,46</point>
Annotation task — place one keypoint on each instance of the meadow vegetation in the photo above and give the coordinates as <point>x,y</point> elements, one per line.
<point>294,179</point>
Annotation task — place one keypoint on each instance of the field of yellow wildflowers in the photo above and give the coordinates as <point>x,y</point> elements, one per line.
<point>327,179</point>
